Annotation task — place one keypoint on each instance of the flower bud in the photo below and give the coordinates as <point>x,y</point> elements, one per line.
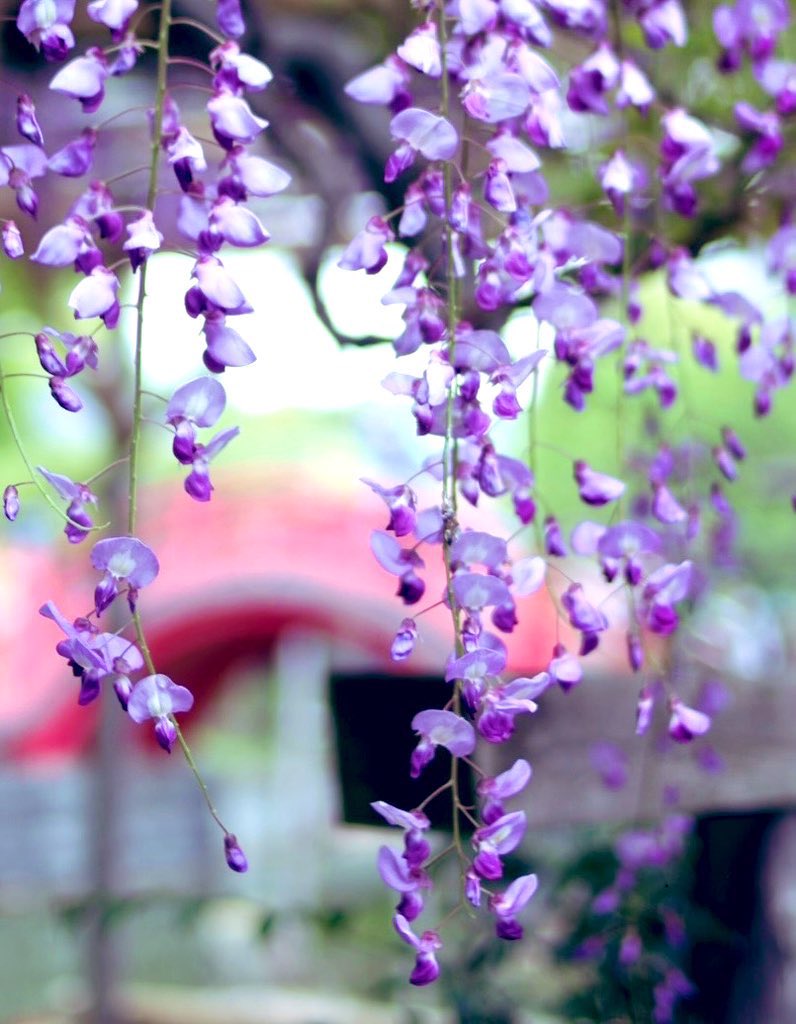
<point>64,395</point>
<point>11,503</point>
<point>236,858</point>
<point>12,241</point>
<point>27,125</point>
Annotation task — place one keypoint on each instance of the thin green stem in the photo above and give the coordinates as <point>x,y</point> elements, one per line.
<point>152,190</point>
<point>201,28</point>
<point>135,432</point>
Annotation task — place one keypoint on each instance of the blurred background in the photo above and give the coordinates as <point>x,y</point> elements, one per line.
<point>115,904</point>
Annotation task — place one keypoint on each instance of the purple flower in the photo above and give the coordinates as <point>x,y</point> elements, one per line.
<point>506,905</point>
<point>686,723</point>
<point>45,24</point>
<point>440,729</point>
<point>11,240</point>
<point>496,839</point>
<point>421,50</point>
<point>235,224</point>
<point>582,615</point>
<point>76,157</point>
<point>217,289</point>
<point>564,668</point>
<point>688,154</point>
<point>663,21</point>
<point>122,559</point>
<point>404,640</point>
<point>200,402</point>
<point>409,820</point>
<point>426,969</point>
<point>96,295</point>
<point>238,71</point>
<point>143,241</point>
<point>84,79</point>
<point>62,244</point>
<point>95,657</point>
<point>502,703</point>
<point>644,710</point>
<point>501,787</point>
<point>610,763</point>
<point>78,496</point>
<point>232,120</point>
<point>366,250</point>
<point>114,14</point>
<point>225,347</point>
<point>256,176</point>
<point>476,665</point>
<point>197,483</point>
<point>385,85</point>
<point>596,488</point>
<point>230,18</point>
<point>160,698</point>
<point>425,133</point>
<point>663,589</point>
<point>474,591</point>
<point>402,503</point>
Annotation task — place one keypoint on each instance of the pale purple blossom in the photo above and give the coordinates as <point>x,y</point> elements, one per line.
<point>96,295</point>
<point>77,157</point>
<point>440,729</point>
<point>426,969</point>
<point>46,25</point>
<point>502,787</point>
<point>495,840</point>
<point>686,723</point>
<point>506,905</point>
<point>158,697</point>
<point>84,79</point>
<point>143,241</point>
<point>78,495</point>
<point>122,560</point>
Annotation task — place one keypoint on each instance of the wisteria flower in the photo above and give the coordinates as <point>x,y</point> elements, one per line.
<point>114,14</point>
<point>84,79</point>
<point>426,969</point>
<point>95,658</point>
<point>366,251</point>
<point>494,841</point>
<point>78,495</point>
<point>197,483</point>
<point>440,729</point>
<point>501,787</point>
<point>506,905</point>
<point>122,560</point>
<point>143,241</point>
<point>597,488</point>
<point>160,698</point>
<point>686,723</point>
<point>46,24</point>
<point>96,295</point>
<point>232,120</point>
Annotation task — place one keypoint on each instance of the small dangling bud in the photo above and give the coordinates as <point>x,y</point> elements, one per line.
<point>11,503</point>
<point>236,858</point>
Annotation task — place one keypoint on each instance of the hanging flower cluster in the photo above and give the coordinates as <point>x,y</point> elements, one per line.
<point>96,238</point>
<point>478,106</point>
